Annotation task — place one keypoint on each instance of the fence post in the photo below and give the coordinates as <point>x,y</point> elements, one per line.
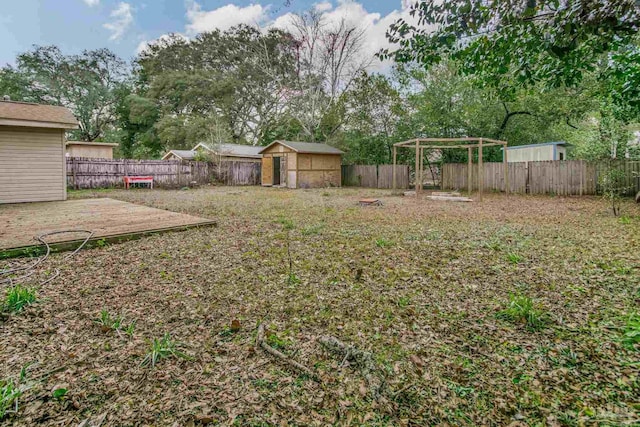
<point>394,167</point>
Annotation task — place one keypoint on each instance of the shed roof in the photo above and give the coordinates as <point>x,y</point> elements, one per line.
<point>183,154</point>
<point>233,150</point>
<point>13,113</point>
<point>306,147</point>
<point>542,144</point>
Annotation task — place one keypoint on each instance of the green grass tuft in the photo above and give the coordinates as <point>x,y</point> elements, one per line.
<point>514,258</point>
<point>631,331</point>
<point>19,297</point>
<point>162,348</point>
<point>115,323</point>
<point>521,309</point>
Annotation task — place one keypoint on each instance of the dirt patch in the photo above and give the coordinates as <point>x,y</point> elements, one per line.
<point>419,285</point>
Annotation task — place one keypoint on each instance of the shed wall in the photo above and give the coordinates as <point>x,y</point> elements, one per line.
<point>90,151</point>
<point>530,154</point>
<point>32,165</point>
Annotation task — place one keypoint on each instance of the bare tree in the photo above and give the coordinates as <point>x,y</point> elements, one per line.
<point>329,57</point>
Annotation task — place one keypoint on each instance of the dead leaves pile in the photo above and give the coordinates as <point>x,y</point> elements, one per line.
<point>415,285</point>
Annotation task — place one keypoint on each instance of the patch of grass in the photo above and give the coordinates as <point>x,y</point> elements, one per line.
<point>624,219</point>
<point>115,323</point>
<point>19,297</point>
<point>514,258</point>
<point>404,301</point>
<point>312,230</point>
<point>631,331</point>
<point>162,348</point>
<point>276,342</point>
<point>59,393</point>
<point>10,391</point>
<point>384,243</point>
<point>522,310</point>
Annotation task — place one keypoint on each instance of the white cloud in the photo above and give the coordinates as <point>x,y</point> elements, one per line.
<point>122,19</point>
<point>223,17</point>
<point>374,24</point>
<point>323,7</point>
<point>91,3</point>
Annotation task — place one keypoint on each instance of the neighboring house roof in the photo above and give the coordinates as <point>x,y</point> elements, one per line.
<point>93,144</point>
<point>306,147</point>
<point>181,154</point>
<point>232,150</point>
<point>13,113</point>
<point>537,145</point>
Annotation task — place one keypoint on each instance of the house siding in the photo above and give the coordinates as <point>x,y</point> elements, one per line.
<point>32,165</point>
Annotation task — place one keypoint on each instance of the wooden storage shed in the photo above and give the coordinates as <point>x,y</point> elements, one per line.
<point>32,151</point>
<point>301,165</point>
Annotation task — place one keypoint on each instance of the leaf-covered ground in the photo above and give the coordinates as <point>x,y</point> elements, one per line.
<point>425,287</point>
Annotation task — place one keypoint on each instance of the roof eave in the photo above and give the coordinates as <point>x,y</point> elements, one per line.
<point>37,124</point>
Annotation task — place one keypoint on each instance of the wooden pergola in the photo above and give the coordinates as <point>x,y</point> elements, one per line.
<point>420,144</point>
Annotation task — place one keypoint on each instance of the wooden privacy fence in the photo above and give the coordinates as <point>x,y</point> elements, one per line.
<point>561,177</point>
<point>372,176</point>
<point>101,173</point>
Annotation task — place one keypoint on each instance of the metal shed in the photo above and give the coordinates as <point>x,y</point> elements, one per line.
<point>301,165</point>
<point>32,151</point>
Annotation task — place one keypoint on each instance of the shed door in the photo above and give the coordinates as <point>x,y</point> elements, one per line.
<point>32,165</point>
<point>267,171</point>
<point>276,170</point>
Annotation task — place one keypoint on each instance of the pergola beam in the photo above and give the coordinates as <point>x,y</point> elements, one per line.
<point>420,141</point>
<point>447,147</point>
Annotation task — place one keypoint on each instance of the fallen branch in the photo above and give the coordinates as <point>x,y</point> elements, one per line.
<point>363,360</point>
<point>272,351</point>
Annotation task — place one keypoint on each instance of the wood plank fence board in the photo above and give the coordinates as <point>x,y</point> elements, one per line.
<point>372,176</point>
<point>561,177</point>
<point>100,173</point>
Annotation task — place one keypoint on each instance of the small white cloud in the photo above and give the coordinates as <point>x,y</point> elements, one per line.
<point>122,18</point>
<point>91,3</point>
<point>323,6</point>
<point>166,39</point>
<point>223,17</point>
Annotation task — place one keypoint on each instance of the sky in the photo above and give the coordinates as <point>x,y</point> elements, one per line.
<point>125,26</point>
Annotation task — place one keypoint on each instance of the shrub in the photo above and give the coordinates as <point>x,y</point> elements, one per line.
<point>18,297</point>
<point>521,309</point>
<point>612,184</point>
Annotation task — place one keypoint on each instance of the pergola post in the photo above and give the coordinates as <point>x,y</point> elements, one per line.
<point>417,168</point>
<point>470,170</point>
<point>395,153</point>
<point>421,166</point>
<point>506,169</point>
<point>480,170</point>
